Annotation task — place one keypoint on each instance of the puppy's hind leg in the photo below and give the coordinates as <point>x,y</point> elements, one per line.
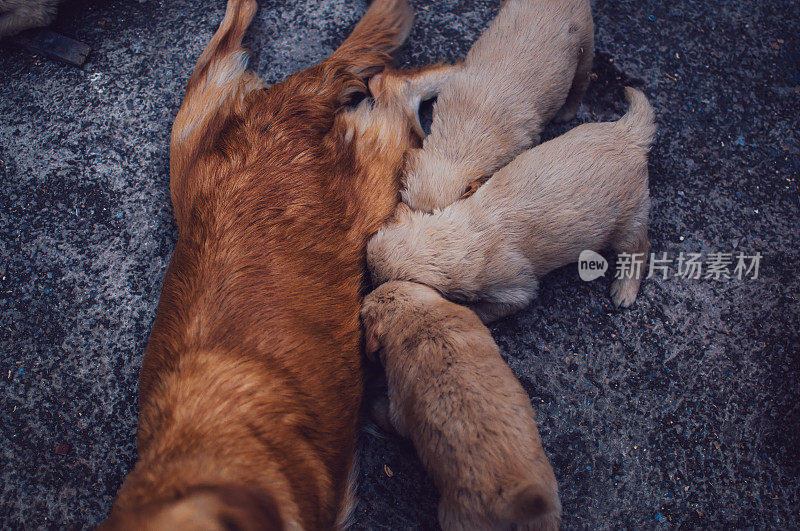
<point>580,82</point>
<point>632,241</point>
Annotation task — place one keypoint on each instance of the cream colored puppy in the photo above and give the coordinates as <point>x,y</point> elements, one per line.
<point>469,418</point>
<point>533,62</point>
<point>584,190</point>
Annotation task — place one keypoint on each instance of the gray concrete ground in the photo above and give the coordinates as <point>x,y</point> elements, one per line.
<point>682,411</point>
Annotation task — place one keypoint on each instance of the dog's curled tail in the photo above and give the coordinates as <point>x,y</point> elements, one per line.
<point>532,505</point>
<point>639,121</point>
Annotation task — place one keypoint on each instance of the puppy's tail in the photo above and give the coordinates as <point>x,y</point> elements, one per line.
<point>639,121</point>
<point>382,30</point>
<point>534,505</point>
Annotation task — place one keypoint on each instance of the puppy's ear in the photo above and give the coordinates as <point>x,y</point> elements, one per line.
<point>412,115</point>
<point>473,187</point>
<point>402,213</point>
<point>411,108</point>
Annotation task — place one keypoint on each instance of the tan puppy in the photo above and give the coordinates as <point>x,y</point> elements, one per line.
<point>534,61</point>
<point>584,190</point>
<point>19,15</point>
<point>467,415</point>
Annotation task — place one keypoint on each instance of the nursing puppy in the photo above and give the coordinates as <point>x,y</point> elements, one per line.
<point>531,65</point>
<point>19,15</point>
<point>584,190</point>
<point>470,420</point>
<point>251,386</point>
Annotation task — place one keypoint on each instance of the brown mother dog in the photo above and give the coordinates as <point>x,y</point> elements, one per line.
<point>252,380</point>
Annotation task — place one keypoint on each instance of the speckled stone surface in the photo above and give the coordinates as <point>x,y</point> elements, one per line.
<point>681,411</point>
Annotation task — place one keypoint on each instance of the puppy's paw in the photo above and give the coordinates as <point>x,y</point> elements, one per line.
<point>566,114</point>
<point>624,291</point>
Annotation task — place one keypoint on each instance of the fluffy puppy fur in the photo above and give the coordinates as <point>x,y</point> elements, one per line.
<point>251,385</point>
<point>470,420</point>
<point>19,15</point>
<point>584,190</point>
<point>533,62</point>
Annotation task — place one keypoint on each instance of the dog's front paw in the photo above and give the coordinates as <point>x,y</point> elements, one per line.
<point>624,291</point>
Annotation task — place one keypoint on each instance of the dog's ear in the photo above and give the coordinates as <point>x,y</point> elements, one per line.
<point>376,85</point>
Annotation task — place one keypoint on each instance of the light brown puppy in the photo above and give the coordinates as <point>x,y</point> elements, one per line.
<point>19,15</point>
<point>251,386</point>
<point>584,190</point>
<point>533,62</point>
<point>470,420</point>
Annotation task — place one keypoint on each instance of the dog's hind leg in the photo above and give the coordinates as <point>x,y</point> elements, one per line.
<point>580,82</point>
<point>216,88</point>
<point>382,30</point>
<point>634,242</point>
<point>335,81</point>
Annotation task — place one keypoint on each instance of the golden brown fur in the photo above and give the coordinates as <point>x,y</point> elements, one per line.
<point>252,380</point>
<point>469,418</point>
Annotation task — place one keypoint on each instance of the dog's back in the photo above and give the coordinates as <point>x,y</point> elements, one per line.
<point>575,192</point>
<point>252,377</point>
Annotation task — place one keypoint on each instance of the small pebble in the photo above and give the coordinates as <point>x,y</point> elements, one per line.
<point>62,449</point>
